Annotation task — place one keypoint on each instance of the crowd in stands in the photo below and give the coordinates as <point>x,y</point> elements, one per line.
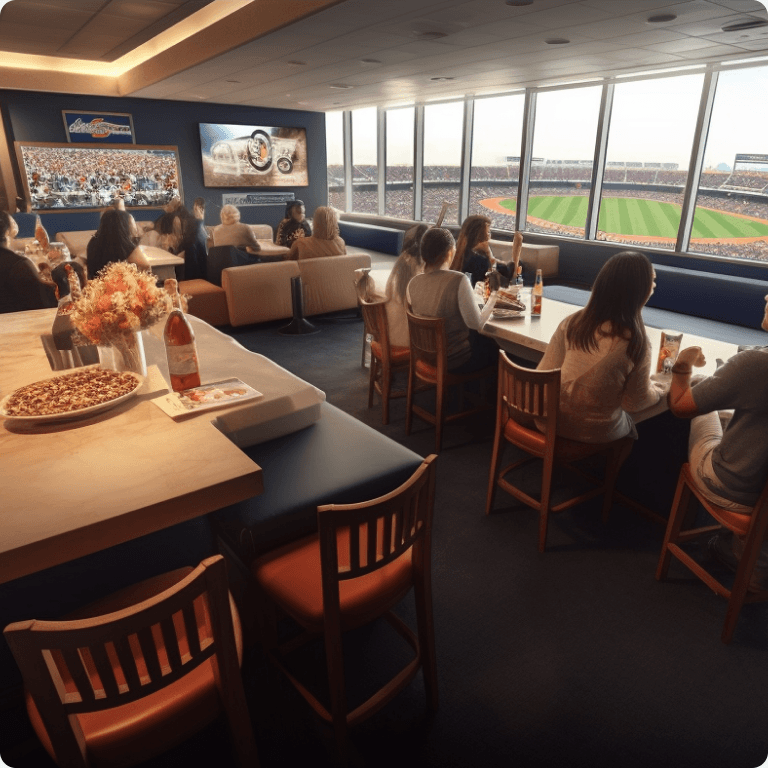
<point>756,180</point>
<point>60,177</point>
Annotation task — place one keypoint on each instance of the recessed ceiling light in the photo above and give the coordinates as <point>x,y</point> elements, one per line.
<point>660,18</point>
<point>442,78</point>
<point>340,87</point>
<point>517,3</point>
<point>741,25</point>
<point>429,35</point>
<point>557,41</point>
<point>370,61</point>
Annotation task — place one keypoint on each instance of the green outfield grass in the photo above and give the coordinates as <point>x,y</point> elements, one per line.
<point>632,216</point>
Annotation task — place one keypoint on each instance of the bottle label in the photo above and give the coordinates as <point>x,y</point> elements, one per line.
<point>182,360</point>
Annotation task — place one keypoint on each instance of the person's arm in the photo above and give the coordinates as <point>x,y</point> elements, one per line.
<point>279,240</point>
<point>139,258</point>
<point>251,243</point>
<point>36,295</point>
<point>639,391</point>
<point>472,316</point>
<point>554,356</point>
<point>680,397</point>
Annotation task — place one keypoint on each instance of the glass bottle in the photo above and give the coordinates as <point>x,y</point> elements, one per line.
<point>488,284</point>
<point>536,295</point>
<point>519,278</point>
<point>41,235</point>
<point>180,349</point>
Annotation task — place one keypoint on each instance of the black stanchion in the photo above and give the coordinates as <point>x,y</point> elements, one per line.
<point>299,325</point>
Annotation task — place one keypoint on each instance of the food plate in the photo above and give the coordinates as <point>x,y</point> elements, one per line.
<point>507,314</point>
<point>76,385</point>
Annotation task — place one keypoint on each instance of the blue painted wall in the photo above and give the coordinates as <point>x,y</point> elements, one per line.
<point>37,117</point>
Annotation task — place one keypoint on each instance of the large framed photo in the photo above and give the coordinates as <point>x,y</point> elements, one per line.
<point>83,176</point>
<point>253,156</point>
<point>98,127</point>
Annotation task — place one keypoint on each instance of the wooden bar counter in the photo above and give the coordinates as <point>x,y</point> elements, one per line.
<point>77,487</point>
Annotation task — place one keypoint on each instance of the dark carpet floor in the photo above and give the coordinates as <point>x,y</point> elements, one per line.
<point>575,657</point>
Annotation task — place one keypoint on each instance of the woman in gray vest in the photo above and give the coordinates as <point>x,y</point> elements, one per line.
<point>441,292</point>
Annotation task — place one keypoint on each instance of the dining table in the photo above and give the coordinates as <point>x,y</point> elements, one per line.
<point>76,486</point>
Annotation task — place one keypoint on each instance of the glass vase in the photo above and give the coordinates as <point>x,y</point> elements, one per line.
<point>125,353</point>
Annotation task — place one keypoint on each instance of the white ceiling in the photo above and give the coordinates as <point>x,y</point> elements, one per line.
<point>488,47</point>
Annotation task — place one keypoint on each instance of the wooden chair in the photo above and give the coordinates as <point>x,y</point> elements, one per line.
<point>138,672</point>
<point>753,527</point>
<point>429,368</point>
<point>525,395</point>
<point>385,359</point>
<point>363,561</point>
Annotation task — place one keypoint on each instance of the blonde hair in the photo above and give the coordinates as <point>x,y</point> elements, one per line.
<point>229,214</point>
<point>325,223</point>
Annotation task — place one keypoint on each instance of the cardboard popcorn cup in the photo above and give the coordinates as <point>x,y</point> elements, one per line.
<point>668,351</point>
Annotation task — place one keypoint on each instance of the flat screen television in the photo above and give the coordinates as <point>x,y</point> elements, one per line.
<point>253,156</point>
<point>82,176</point>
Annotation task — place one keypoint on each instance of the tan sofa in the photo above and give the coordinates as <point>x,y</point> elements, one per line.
<point>257,293</point>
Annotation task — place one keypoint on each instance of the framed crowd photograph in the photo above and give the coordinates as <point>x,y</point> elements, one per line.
<point>82,176</point>
<point>98,127</point>
<point>253,156</point>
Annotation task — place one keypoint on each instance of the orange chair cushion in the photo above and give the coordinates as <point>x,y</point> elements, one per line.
<point>396,354</point>
<point>291,578</point>
<point>134,732</point>
<point>426,372</point>
<point>737,522</point>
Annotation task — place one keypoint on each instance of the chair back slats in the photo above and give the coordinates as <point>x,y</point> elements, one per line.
<point>427,336</point>
<point>171,643</point>
<point>384,528</point>
<point>127,662</point>
<point>190,627</point>
<point>375,320</point>
<point>107,661</point>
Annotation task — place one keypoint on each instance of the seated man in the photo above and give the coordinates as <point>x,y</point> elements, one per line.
<point>729,468</point>
<point>20,286</point>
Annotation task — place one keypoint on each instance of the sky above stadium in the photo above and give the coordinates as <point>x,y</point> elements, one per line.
<point>652,121</point>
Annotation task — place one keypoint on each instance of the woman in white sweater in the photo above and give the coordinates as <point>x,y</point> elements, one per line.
<point>605,356</point>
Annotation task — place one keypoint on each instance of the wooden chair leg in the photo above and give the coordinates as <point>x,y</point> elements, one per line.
<point>546,492</point>
<point>365,342</point>
<point>386,386</point>
<point>493,480</point>
<point>372,380</point>
<point>409,402</point>
<point>440,397</point>
<point>616,459</point>
<point>422,592</point>
<point>677,516</point>
<point>335,660</point>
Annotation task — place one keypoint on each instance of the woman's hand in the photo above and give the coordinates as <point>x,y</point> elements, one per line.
<point>690,356</point>
<point>485,248</point>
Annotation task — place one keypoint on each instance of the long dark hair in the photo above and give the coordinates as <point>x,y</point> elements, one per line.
<point>114,238</point>
<point>472,232</point>
<point>619,293</point>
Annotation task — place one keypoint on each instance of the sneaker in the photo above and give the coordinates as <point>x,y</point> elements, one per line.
<point>719,549</point>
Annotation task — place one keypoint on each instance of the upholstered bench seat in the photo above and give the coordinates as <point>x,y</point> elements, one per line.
<point>372,237</point>
<point>336,460</point>
<point>532,257</point>
<point>667,319</point>
<point>206,301</point>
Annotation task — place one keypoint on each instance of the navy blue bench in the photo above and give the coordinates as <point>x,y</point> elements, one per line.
<point>338,460</point>
<point>372,237</point>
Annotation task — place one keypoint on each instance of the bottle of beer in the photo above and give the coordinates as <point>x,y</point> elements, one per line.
<point>180,346</point>
<point>536,294</point>
<point>41,235</point>
<point>488,285</point>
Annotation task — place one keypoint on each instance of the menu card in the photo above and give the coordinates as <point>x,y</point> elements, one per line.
<point>206,397</point>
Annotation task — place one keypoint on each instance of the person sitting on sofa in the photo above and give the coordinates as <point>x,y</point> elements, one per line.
<point>324,241</point>
<point>20,287</point>
<point>114,241</point>
<point>294,225</point>
<point>728,466</point>
<point>232,232</point>
<point>409,264</point>
<point>180,232</point>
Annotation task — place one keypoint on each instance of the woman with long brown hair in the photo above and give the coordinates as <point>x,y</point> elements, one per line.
<point>473,251</point>
<point>605,356</point>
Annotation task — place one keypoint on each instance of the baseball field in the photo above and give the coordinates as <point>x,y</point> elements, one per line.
<point>632,216</point>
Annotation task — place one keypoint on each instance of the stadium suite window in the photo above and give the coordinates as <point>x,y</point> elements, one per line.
<point>365,196</point>
<point>400,125</point>
<point>649,149</point>
<point>497,130</point>
<point>561,165</point>
<point>334,147</point>
<point>443,128</point>
<point>731,218</point>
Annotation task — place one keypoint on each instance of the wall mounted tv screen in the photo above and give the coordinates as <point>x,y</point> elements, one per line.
<point>253,156</point>
<point>59,176</point>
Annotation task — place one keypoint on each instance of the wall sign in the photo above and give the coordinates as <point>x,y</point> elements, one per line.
<point>257,198</point>
<point>101,127</point>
